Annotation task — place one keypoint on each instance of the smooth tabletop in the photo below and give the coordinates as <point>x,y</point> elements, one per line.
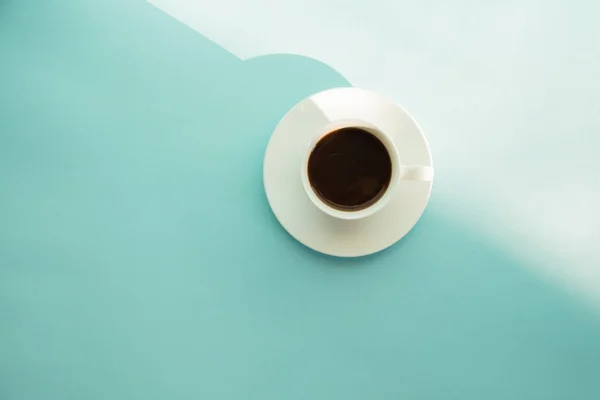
<point>139,258</point>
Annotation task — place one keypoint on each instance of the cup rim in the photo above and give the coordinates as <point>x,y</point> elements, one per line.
<point>390,146</point>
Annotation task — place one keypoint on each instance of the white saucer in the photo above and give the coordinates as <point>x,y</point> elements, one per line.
<point>290,203</point>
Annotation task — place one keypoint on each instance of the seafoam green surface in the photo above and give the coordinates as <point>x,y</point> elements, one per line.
<point>139,258</point>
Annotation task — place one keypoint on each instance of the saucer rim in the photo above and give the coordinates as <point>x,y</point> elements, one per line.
<point>350,252</point>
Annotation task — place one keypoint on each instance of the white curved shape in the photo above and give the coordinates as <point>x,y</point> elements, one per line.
<point>287,189</point>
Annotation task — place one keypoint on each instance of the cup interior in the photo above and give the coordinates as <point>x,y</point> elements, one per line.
<point>350,169</point>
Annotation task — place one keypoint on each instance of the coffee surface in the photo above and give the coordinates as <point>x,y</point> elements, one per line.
<point>349,169</point>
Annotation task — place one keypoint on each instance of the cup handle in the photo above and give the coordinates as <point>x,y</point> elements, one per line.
<point>416,173</point>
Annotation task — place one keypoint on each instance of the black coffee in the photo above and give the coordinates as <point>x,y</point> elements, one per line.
<point>350,169</point>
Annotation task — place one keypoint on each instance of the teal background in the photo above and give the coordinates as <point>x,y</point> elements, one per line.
<point>139,258</point>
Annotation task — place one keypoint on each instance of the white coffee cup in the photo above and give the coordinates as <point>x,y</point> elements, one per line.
<point>400,172</point>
